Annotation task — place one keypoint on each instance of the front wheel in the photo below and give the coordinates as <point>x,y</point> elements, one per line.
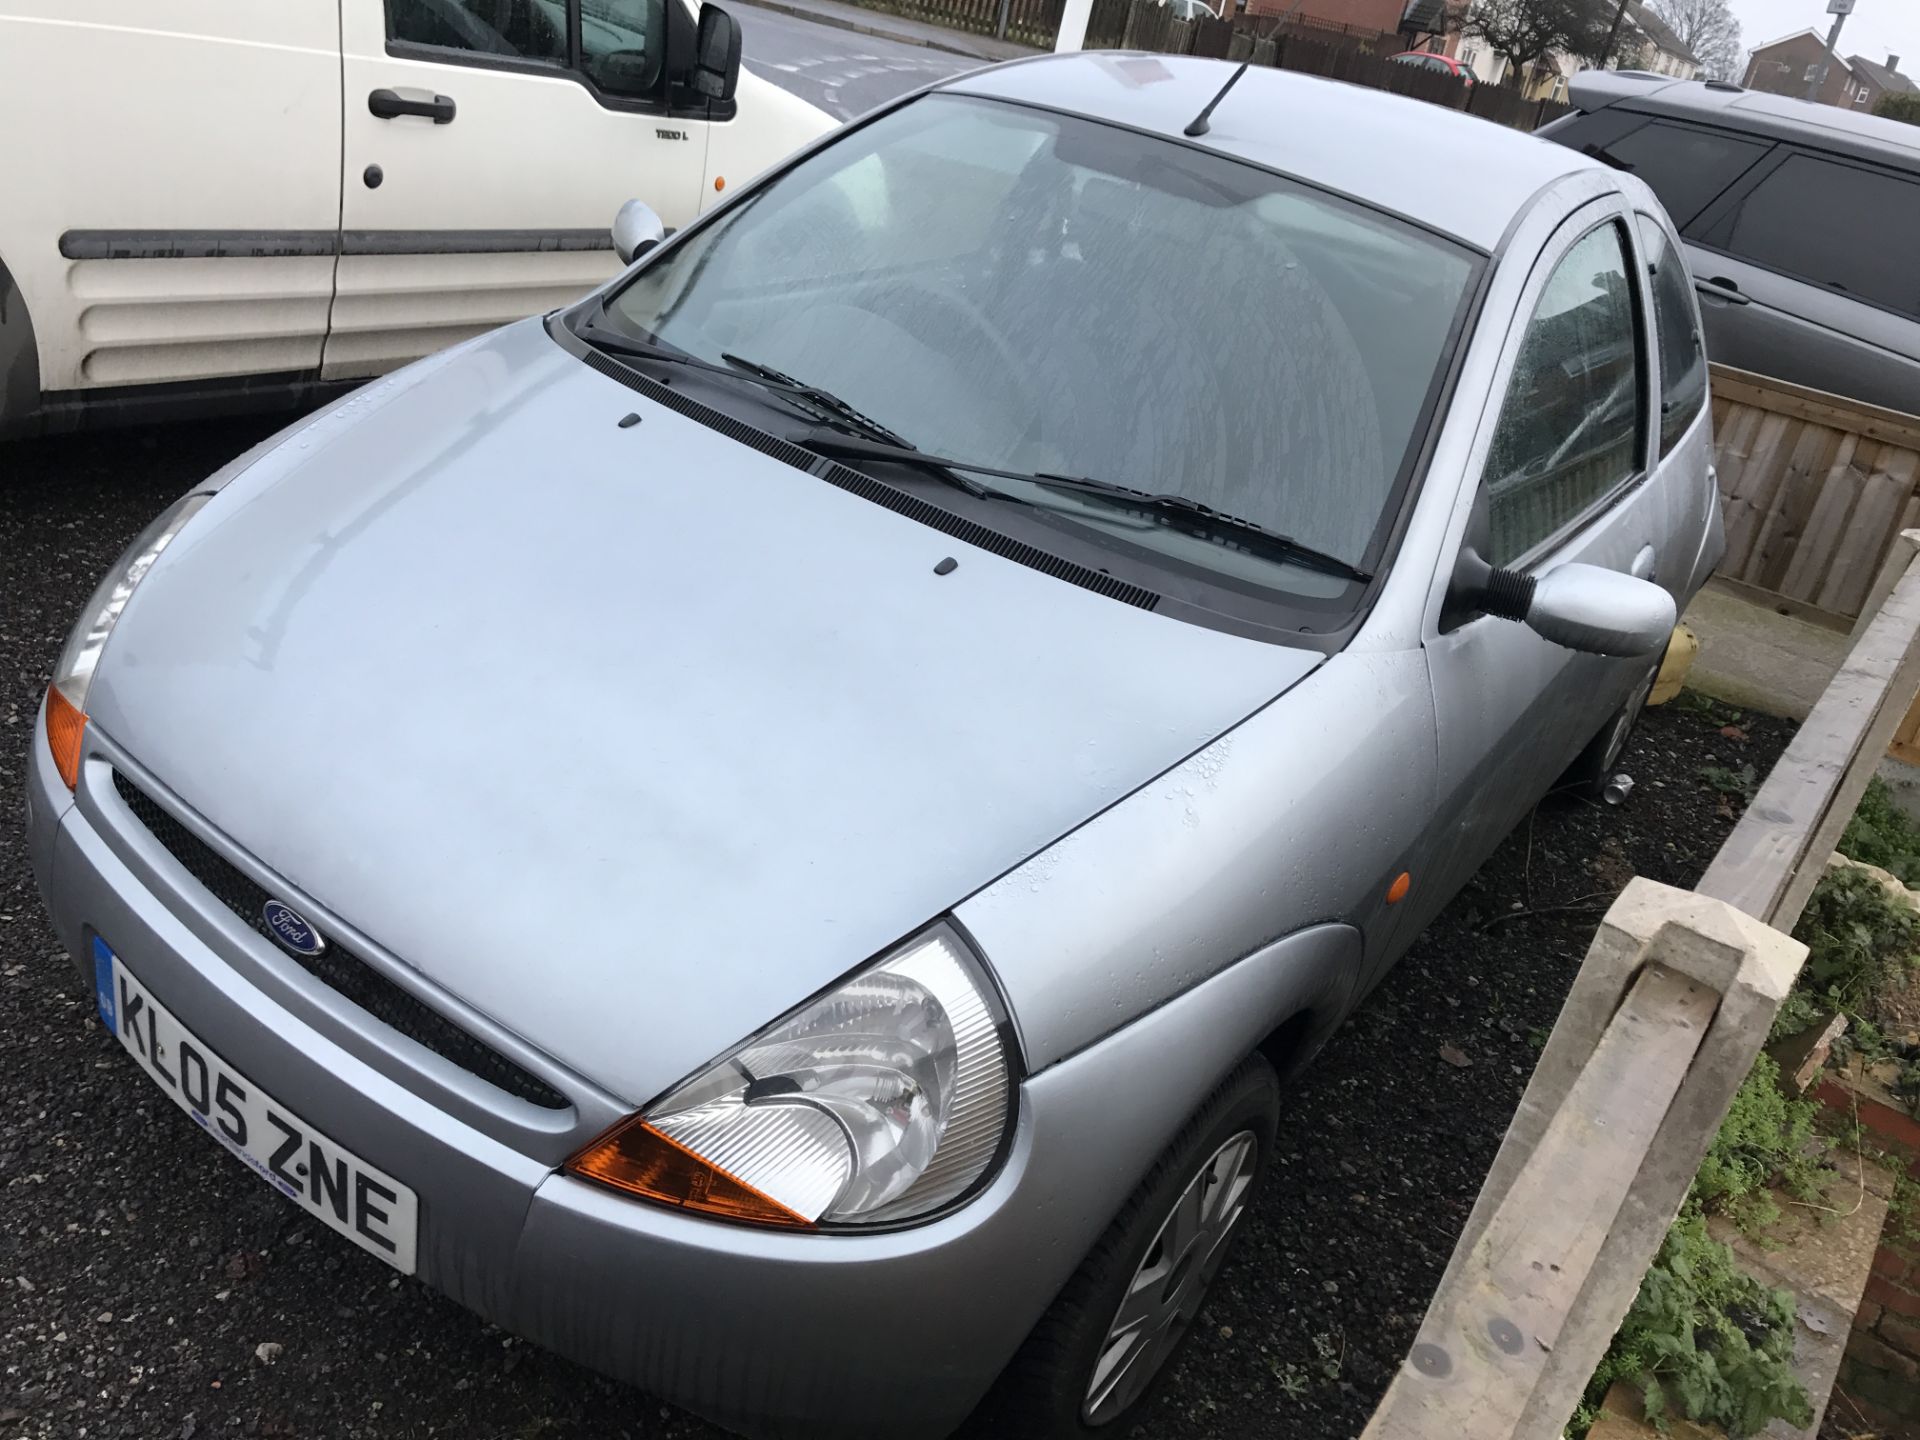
<point>1099,1351</point>
<point>1589,773</point>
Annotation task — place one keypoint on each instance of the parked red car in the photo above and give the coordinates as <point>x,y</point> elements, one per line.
<point>1444,63</point>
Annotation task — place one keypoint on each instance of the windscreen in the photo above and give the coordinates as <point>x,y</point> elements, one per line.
<point>1044,293</point>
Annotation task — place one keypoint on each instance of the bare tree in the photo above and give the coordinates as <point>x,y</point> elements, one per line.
<point>1609,39</point>
<point>1527,31</point>
<point>1707,28</point>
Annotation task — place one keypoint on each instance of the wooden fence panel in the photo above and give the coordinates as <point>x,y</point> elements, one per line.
<point>1815,488</point>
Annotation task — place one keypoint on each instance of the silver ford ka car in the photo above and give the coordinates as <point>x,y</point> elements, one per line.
<point>777,831</point>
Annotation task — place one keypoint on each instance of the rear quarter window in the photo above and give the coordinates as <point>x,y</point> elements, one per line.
<point>1688,167</point>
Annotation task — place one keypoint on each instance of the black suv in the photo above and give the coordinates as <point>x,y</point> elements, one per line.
<point>1802,223</point>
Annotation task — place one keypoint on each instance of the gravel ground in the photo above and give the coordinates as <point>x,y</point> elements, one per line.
<point>142,1271</point>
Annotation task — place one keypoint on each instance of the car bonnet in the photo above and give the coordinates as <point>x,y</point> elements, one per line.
<point>630,736</point>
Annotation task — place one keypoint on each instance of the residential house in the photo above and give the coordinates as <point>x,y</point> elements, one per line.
<point>1378,16</point>
<point>1659,49</point>
<point>1878,80</point>
<point>1648,44</point>
<point>1789,65</point>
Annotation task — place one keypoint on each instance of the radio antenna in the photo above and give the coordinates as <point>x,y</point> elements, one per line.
<point>1199,124</point>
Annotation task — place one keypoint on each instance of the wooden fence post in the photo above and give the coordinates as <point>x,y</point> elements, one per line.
<point>1673,1002</point>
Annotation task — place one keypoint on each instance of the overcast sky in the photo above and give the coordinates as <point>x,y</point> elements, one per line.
<point>1875,29</point>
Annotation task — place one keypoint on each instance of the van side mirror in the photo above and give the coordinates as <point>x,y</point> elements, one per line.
<point>716,55</point>
<point>1600,612</point>
<point>636,230</point>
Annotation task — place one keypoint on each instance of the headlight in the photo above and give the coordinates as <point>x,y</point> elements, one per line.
<point>67,695</point>
<point>883,1100</point>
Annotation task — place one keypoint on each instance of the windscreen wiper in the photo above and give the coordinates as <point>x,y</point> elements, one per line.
<point>814,395</point>
<point>1200,520</point>
<point>822,405</point>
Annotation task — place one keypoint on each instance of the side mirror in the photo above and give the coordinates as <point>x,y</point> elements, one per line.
<point>636,230</point>
<point>1601,612</point>
<point>716,55</point>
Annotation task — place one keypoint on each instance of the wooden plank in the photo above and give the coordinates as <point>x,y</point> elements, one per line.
<point>1770,862</point>
<point>1785,605</point>
<point>1871,421</point>
<point>1533,1260</point>
<point>1892,566</point>
<point>1826,530</point>
<point>1799,492</point>
<point>1875,522</point>
<point>1750,496</point>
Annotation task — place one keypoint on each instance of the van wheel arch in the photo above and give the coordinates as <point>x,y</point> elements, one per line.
<point>19,360</point>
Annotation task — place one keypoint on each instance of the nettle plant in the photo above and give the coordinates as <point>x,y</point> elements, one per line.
<point>1706,1340</point>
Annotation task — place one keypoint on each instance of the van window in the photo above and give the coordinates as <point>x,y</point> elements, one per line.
<point>1683,362</point>
<point>1688,169</point>
<point>534,30</point>
<point>1832,224</point>
<point>1569,429</point>
<point>623,44</point>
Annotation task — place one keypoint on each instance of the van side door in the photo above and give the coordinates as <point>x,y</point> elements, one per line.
<point>488,145</point>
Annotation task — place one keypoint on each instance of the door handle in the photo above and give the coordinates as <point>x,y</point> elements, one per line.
<point>1644,564</point>
<point>1719,287</point>
<point>387,104</point>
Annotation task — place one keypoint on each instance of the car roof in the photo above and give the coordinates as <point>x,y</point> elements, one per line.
<point>1342,137</point>
<point>1753,112</point>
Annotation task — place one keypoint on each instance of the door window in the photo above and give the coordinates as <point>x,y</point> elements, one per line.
<point>534,30</point>
<point>623,44</point>
<point>1831,224</point>
<point>1569,429</point>
<point>1683,361</point>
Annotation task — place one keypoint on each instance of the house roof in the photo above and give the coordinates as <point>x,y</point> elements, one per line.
<point>1427,15</point>
<point>1883,77</point>
<point>1813,35</point>
<point>1660,33</point>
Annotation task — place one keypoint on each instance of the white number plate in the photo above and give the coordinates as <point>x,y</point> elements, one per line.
<point>365,1204</point>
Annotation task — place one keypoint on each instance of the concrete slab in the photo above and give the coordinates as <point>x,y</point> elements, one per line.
<point>1756,658</point>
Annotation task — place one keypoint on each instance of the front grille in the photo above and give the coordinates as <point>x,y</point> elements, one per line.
<point>336,966</point>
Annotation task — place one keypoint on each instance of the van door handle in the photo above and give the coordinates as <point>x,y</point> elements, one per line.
<point>388,104</point>
<point>1719,287</point>
<point>1644,564</point>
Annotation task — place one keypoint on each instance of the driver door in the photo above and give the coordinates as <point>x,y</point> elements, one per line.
<point>1565,478</point>
<point>488,144</point>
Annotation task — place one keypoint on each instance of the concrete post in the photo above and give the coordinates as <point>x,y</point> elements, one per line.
<point>1671,1006</point>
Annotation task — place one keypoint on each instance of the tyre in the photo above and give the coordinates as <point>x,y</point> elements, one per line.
<point>1594,765</point>
<point>1099,1352</point>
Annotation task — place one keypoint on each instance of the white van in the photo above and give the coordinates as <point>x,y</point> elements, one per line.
<point>224,204</point>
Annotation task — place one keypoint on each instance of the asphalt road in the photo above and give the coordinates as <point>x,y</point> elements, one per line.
<point>841,71</point>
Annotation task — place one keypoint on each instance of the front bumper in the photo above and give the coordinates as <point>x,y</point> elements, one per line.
<point>890,1334</point>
